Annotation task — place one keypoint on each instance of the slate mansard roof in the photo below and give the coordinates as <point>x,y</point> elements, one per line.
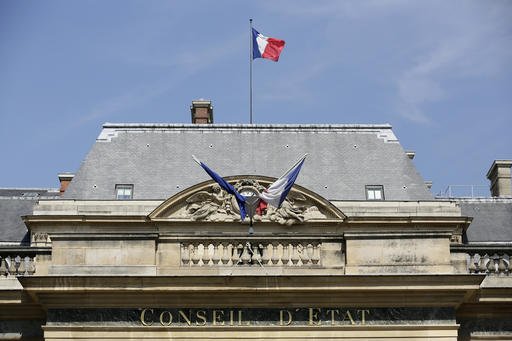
<point>15,203</point>
<point>492,219</point>
<point>156,159</point>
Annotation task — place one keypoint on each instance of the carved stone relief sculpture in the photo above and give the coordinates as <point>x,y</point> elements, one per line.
<point>214,204</point>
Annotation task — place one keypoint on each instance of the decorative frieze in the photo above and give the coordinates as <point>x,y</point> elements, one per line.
<point>283,253</point>
<point>233,317</point>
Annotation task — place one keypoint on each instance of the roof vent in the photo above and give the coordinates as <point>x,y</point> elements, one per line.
<point>499,175</point>
<point>202,111</point>
<point>410,154</point>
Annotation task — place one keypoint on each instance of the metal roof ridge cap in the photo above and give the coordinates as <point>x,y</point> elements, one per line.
<point>243,126</point>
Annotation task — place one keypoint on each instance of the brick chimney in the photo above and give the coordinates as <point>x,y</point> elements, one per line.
<point>499,175</point>
<point>65,179</point>
<point>202,111</point>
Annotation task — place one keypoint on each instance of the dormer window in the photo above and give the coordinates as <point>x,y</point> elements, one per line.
<point>124,192</point>
<point>374,192</point>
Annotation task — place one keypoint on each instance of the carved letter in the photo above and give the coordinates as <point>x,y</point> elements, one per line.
<point>349,315</point>
<point>217,318</point>
<point>363,316</point>
<point>313,316</point>
<point>332,314</point>
<point>201,315</point>
<point>182,314</point>
<point>162,322</point>
<point>281,319</point>
<point>240,319</point>
<point>143,317</point>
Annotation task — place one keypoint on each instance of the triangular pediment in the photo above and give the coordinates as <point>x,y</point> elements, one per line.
<point>207,202</point>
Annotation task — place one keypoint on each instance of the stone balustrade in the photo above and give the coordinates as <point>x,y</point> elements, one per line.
<point>490,264</point>
<point>16,265</point>
<point>251,252</point>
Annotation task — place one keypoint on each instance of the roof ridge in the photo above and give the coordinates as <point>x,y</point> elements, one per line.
<point>247,126</point>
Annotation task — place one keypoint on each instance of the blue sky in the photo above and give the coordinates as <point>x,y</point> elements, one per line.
<point>439,71</point>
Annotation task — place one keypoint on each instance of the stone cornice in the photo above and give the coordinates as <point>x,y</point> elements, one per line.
<point>254,291</point>
<point>83,218</point>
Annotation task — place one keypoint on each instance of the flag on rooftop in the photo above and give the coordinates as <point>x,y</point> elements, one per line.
<point>266,47</point>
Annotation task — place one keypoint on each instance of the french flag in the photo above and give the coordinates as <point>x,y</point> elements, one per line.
<point>277,192</point>
<point>240,199</point>
<point>265,47</point>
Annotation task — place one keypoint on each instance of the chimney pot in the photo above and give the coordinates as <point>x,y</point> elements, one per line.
<point>201,111</point>
<point>65,179</point>
<point>500,177</point>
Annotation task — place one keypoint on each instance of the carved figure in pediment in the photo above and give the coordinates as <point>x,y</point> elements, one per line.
<point>290,212</point>
<point>203,204</point>
<point>214,204</point>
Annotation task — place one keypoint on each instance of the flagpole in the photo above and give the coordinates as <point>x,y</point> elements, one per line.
<point>250,72</point>
<point>295,164</point>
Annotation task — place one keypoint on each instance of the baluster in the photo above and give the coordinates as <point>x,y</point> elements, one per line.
<point>17,262</point>
<point>265,258</point>
<point>256,254</point>
<point>481,267</point>
<point>31,266</point>
<point>12,265</point>
<point>315,258</point>
<point>246,256</point>
<point>237,253</point>
<point>509,265</point>
<point>206,254</point>
<point>502,267</point>
<point>216,254</point>
<point>303,253</point>
<point>310,252</point>
<point>491,265</point>
<point>286,254</point>
<point>195,254</point>
<point>21,267</point>
<point>275,256</point>
<point>225,257</point>
<point>495,258</point>
<point>295,256</point>
<point>3,267</point>
<point>472,264</point>
<point>185,254</point>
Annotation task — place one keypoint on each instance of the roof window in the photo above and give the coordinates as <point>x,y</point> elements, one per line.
<point>124,192</point>
<point>374,192</point>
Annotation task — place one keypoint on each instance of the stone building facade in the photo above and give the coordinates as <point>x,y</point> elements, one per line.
<point>143,245</point>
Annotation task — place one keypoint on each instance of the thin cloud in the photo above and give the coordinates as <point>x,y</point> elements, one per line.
<point>478,45</point>
<point>184,66</point>
<point>296,86</point>
<point>442,42</point>
<point>123,102</point>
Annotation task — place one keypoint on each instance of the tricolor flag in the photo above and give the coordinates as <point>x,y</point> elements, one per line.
<point>265,47</point>
<point>277,192</point>
<point>226,186</point>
